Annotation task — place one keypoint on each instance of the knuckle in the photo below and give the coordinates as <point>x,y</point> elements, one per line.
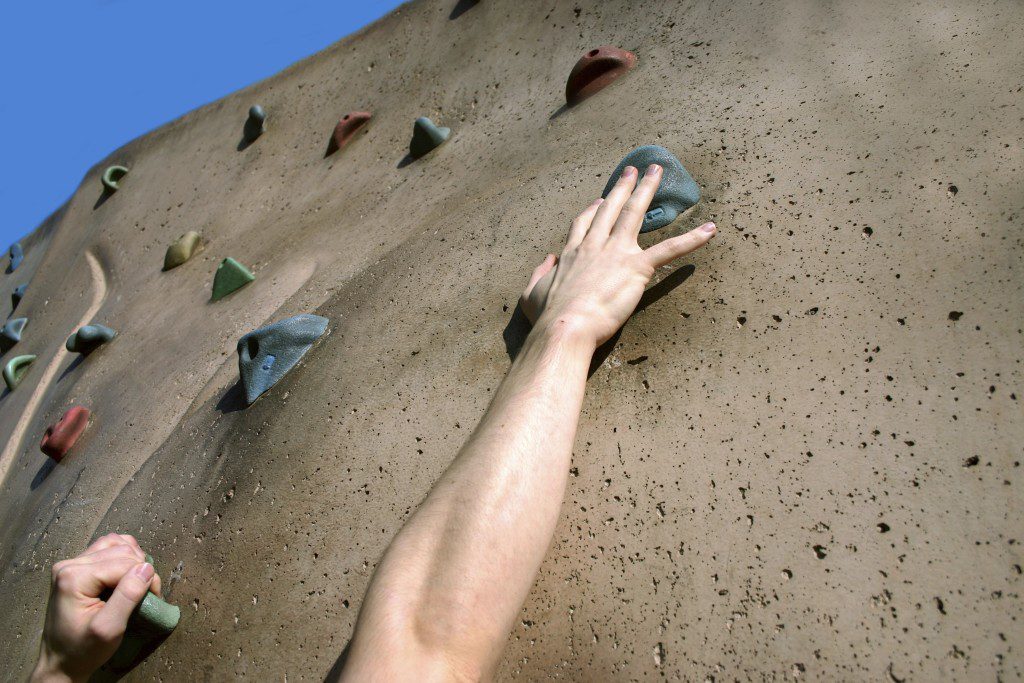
<point>66,579</point>
<point>100,631</point>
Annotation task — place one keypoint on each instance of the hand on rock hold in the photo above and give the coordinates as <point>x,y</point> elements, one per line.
<point>82,630</point>
<point>593,286</point>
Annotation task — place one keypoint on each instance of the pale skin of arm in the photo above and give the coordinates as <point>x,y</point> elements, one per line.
<point>446,593</point>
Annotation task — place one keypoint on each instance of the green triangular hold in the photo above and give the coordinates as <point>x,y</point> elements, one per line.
<point>231,275</point>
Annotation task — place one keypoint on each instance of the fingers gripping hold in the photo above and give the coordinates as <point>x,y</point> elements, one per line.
<point>631,218</point>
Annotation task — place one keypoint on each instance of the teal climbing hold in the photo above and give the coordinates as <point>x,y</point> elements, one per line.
<point>255,124</point>
<point>15,370</point>
<point>112,177</point>
<point>10,334</point>
<point>426,136</point>
<point>267,354</point>
<point>17,295</point>
<point>88,338</point>
<point>677,192</point>
<point>231,275</point>
<point>17,256</point>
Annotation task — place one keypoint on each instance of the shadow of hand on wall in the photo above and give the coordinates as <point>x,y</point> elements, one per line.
<point>518,326</point>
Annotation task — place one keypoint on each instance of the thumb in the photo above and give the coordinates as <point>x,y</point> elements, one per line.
<point>111,621</point>
<point>540,271</point>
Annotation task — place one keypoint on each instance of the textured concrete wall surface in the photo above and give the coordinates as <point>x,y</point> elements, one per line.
<point>800,458</point>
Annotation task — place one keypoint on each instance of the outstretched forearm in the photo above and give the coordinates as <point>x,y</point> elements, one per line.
<point>449,586</point>
<point>454,578</point>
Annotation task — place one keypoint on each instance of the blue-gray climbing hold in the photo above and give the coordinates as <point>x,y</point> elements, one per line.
<point>678,190</point>
<point>88,338</point>
<point>17,256</point>
<point>112,178</point>
<point>426,136</point>
<point>17,295</point>
<point>255,124</point>
<point>10,333</point>
<point>266,354</point>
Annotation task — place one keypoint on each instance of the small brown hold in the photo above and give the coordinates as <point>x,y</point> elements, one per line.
<point>347,127</point>
<point>59,438</point>
<point>595,70</point>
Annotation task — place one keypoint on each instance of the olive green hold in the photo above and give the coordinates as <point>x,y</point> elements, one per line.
<point>187,246</point>
<point>112,177</point>
<point>151,622</point>
<point>231,275</point>
<point>426,136</point>
<point>156,615</point>
<point>15,370</point>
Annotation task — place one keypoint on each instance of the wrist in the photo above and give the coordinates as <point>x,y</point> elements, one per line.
<point>564,331</point>
<point>48,671</point>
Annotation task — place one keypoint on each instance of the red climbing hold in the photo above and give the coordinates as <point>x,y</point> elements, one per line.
<point>346,129</point>
<point>595,70</point>
<point>59,438</point>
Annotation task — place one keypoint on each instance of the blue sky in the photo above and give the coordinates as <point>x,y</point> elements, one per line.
<point>83,77</point>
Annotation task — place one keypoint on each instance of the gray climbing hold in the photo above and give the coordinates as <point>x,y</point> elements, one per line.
<point>267,354</point>
<point>17,295</point>
<point>112,177</point>
<point>678,190</point>
<point>88,338</point>
<point>426,136</point>
<point>255,124</point>
<point>10,334</point>
<point>17,256</point>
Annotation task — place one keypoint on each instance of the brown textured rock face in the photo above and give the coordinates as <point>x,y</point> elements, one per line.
<point>794,462</point>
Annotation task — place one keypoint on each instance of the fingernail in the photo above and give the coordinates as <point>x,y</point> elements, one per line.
<point>628,172</point>
<point>144,571</point>
<point>599,200</point>
<point>653,169</point>
<point>708,227</point>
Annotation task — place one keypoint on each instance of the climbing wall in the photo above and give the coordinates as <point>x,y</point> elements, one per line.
<point>800,459</point>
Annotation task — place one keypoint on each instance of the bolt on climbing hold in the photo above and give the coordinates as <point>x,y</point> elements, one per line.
<point>17,295</point>
<point>10,333</point>
<point>347,127</point>
<point>426,136</point>
<point>187,246</point>
<point>88,338</point>
<point>112,177</point>
<point>15,370</point>
<point>60,437</point>
<point>595,70</point>
<point>17,256</point>
<point>231,275</point>
<point>678,190</point>
<point>255,124</point>
<point>267,354</point>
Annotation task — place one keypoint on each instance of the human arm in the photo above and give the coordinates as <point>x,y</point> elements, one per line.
<point>446,593</point>
<point>82,631</point>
